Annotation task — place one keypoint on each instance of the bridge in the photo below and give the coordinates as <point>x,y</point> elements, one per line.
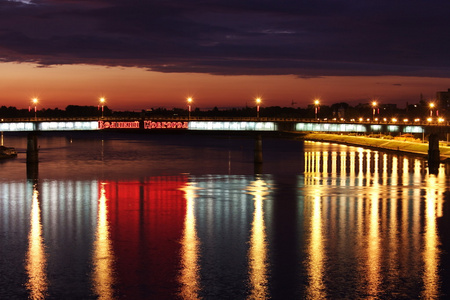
<point>221,124</point>
<point>214,124</point>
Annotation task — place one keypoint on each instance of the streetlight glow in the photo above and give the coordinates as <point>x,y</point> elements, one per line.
<point>432,106</point>
<point>258,102</point>
<point>189,101</point>
<point>374,108</point>
<point>35,102</point>
<point>102,104</point>
<point>316,107</point>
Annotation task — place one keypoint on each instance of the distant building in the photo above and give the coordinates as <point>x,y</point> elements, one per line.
<point>443,101</point>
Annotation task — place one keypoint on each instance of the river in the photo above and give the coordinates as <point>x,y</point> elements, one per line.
<point>116,216</point>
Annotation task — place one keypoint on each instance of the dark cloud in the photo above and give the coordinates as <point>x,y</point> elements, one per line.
<point>304,38</point>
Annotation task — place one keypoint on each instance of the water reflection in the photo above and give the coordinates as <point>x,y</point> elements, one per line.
<point>316,252</point>
<point>431,252</point>
<point>390,207</point>
<point>373,244</point>
<point>190,247</point>
<point>103,256</point>
<point>147,221</point>
<point>36,262</point>
<point>355,224</point>
<point>257,254</point>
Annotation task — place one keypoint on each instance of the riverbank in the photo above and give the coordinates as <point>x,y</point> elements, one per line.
<point>416,148</point>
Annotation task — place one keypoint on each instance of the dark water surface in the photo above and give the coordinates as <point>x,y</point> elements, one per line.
<point>181,216</point>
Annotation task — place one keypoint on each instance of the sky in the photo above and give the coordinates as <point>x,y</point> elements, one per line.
<point>142,54</point>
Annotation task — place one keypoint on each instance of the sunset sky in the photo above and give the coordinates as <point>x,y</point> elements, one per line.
<point>147,54</point>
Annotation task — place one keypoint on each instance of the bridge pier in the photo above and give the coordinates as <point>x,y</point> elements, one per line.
<point>258,157</point>
<point>32,148</point>
<point>32,156</point>
<point>433,153</point>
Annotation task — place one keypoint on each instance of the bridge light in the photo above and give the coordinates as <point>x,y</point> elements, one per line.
<point>417,120</point>
<point>102,104</point>
<point>429,119</point>
<point>35,102</point>
<point>432,105</point>
<point>405,120</point>
<point>394,120</point>
<point>189,102</point>
<point>440,120</point>
<point>258,103</point>
<point>374,108</point>
<point>316,108</point>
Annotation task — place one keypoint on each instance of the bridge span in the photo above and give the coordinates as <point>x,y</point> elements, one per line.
<point>219,124</point>
<point>257,125</point>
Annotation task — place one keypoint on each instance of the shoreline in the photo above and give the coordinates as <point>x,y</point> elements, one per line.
<point>414,148</point>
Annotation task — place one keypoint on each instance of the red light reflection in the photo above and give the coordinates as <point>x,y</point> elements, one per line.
<point>146,221</point>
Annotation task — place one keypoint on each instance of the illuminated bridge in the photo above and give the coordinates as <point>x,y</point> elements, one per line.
<point>256,125</point>
<point>212,124</point>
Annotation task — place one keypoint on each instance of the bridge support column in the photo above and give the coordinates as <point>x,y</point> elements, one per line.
<point>433,153</point>
<point>258,158</point>
<point>32,156</point>
<point>32,148</point>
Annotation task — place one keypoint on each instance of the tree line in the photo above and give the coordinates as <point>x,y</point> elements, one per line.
<point>337,110</point>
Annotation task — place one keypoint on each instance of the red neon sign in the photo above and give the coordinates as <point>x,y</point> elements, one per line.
<point>118,125</point>
<point>165,125</point>
<point>147,125</point>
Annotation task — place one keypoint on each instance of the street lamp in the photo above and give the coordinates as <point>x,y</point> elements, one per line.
<point>374,107</point>
<point>102,104</point>
<point>316,107</point>
<point>432,105</point>
<point>189,101</point>
<point>35,102</point>
<point>258,102</point>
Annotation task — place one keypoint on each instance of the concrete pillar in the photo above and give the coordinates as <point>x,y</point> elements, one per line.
<point>32,156</point>
<point>33,171</point>
<point>32,148</point>
<point>258,154</point>
<point>433,153</point>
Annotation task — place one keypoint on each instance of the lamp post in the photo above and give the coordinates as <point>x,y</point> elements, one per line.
<point>35,102</point>
<point>374,107</point>
<point>431,109</point>
<point>258,103</point>
<point>102,104</point>
<point>316,108</point>
<point>189,101</point>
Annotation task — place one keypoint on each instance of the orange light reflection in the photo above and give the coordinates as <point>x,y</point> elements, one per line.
<point>316,253</point>
<point>190,248</point>
<point>431,251</point>
<point>257,256</point>
<point>36,262</point>
<point>103,256</point>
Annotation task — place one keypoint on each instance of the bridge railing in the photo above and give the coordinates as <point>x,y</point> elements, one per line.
<point>232,119</point>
